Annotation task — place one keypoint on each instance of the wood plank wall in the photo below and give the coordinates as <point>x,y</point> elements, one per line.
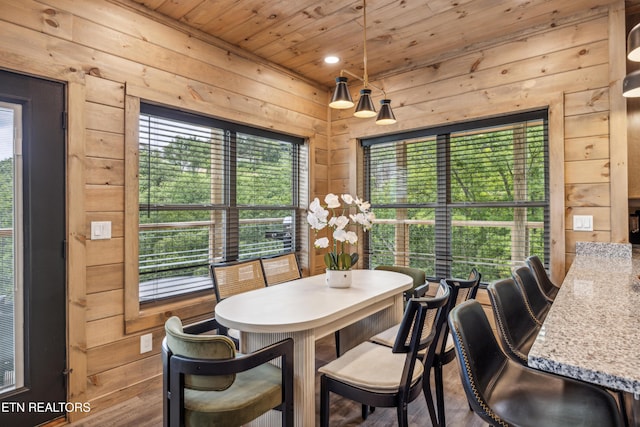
<point>112,57</point>
<point>573,67</point>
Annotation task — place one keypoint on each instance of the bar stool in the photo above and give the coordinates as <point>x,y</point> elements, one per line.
<point>517,328</point>
<point>548,288</point>
<point>504,392</point>
<point>536,301</point>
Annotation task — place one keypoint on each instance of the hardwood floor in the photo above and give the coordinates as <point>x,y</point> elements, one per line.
<point>145,410</point>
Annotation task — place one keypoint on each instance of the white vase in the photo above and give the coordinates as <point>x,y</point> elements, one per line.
<point>338,278</point>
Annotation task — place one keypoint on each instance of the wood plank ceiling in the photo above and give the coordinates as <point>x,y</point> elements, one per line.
<point>401,34</point>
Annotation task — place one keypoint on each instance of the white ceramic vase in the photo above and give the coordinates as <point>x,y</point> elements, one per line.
<point>338,278</point>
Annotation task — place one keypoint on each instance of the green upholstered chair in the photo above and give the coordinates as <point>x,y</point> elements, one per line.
<point>420,285</point>
<point>206,383</point>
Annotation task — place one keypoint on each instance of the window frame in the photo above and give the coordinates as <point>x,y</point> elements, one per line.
<point>443,206</point>
<point>138,315</point>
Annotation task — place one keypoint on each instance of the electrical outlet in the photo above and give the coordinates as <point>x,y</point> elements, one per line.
<point>146,343</point>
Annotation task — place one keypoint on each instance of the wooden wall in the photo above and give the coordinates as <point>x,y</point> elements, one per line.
<point>573,67</point>
<point>113,57</point>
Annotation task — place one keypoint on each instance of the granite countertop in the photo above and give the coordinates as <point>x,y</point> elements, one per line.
<point>592,331</point>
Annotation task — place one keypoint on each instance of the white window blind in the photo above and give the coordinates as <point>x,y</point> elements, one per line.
<point>456,197</point>
<point>210,192</point>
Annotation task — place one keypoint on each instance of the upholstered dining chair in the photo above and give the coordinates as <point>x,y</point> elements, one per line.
<point>534,297</point>
<point>504,392</point>
<point>548,288</point>
<point>460,290</point>
<point>517,328</point>
<point>380,376</point>
<point>235,278</point>
<point>280,268</point>
<point>205,382</point>
<point>420,285</point>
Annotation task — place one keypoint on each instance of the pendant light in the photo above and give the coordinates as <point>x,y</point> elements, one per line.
<point>341,98</point>
<point>631,83</point>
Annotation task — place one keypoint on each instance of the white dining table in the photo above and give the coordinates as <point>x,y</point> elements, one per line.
<point>307,309</point>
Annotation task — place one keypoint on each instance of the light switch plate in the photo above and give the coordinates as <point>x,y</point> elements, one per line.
<point>100,230</point>
<point>583,223</point>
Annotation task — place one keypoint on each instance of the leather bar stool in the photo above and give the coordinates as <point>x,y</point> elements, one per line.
<point>503,392</point>
<point>517,328</point>
<point>534,296</point>
<point>548,288</point>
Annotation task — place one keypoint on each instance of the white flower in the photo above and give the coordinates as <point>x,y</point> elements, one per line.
<point>351,237</point>
<point>322,242</point>
<point>339,222</point>
<point>340,235</point>
<point>347,198</point>
<point>340,208</point>
<point>332,201</point>
<point>315,222</point>
<point>361,219</point>
<point>314,205</point>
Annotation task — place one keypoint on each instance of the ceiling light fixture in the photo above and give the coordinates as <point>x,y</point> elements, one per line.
<point>341,98</point>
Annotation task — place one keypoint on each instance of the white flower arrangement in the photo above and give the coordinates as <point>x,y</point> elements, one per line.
<point>318,218</point>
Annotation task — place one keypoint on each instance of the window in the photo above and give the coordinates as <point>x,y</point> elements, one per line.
<point>210,192</point>
<point>469,195</point>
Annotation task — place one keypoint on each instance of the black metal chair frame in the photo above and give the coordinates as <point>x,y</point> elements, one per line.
<point>176,367</point>
<point>411,326</point>
<point>442,356</point>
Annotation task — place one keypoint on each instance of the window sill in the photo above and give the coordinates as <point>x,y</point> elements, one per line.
<point>155,315</point>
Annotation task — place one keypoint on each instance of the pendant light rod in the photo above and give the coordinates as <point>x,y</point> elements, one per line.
<point>364,44</point>
<point>362,79</point>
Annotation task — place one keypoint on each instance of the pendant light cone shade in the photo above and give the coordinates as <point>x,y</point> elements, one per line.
<point>365,106</point>
<point>633,44</point>
<point>341,97</point>
<point>385,116</point>
<point>631,85</point>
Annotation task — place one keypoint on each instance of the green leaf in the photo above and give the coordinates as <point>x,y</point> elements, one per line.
<point>345,261</point>
<point>330,261</point>
<point>354,258</point>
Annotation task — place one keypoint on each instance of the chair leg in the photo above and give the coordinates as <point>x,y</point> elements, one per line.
<point>365,411</point>
<point>439,394</point>
<point>428,396</point>
<point>402,415</point>
<point>337,338</point>
<point>324,402</point>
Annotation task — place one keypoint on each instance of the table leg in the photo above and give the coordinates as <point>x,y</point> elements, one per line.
<point>304,408</point>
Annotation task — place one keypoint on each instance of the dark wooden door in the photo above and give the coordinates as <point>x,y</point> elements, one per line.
<point>38,312</point>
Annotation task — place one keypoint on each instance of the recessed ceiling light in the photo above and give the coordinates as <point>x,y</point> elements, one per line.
<point>331,59</point>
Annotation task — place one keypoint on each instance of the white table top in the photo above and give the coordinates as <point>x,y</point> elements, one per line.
<point>307,303</point>
<point>592,331</point>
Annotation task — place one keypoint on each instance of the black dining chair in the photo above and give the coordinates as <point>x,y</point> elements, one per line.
<point>534,296</point>
<point>380,376</point>
<point>517,328</point>
<point>460,290</point>
<point>504,392</point>
<point>544,281</point>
